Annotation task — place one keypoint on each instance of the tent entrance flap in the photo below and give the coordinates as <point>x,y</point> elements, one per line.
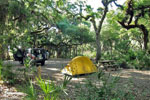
<point>79,65</point>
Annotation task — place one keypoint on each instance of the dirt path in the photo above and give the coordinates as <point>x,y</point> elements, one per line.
<point>139,79</point>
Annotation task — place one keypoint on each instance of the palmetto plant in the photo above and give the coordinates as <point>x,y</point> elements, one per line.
<point>29,67</point>
<point>31,92</point>
<point>51,90</point>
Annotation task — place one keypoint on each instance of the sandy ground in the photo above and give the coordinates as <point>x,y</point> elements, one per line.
<point>51,71</point>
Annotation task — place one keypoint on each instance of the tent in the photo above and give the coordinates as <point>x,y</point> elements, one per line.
<point>79,65</point>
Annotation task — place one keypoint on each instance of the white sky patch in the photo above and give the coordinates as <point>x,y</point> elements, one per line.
<point>94,3</point>
<point>97,3</point>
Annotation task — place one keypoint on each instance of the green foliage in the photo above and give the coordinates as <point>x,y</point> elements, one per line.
<point>122,45</point>
<point>142,60</point>
<point>7,74</point>
<point>29,68</point>
<point>44,90</point>
<point>74,33</point>
<point>28,62</point>
<point>137,59</point>
<point>105,88</point>
<point>66,81</point>
<point>51,90</point>
<point>4,12</point>
<point>141,3</point>
<point>31,92</point>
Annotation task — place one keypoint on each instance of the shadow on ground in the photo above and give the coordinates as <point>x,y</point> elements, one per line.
<point>137,81</point>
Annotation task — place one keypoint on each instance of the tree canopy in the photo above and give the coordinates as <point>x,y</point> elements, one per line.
<point>62,23</point>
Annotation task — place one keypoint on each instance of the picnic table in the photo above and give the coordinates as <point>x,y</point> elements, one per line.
<point>108,64</point>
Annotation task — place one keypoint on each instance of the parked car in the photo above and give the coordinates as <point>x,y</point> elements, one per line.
<point>37,55</point>
<point>19,55</point>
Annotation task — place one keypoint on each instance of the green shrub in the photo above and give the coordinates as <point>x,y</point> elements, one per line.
<point>134,59</point>
<point>141,60</point>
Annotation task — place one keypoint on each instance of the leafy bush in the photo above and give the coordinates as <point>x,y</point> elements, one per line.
<point>143,60</point>
<point>134,59</point>
<point>138,59</point>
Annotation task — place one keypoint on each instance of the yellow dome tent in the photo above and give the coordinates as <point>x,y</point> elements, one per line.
<point>79,65</point>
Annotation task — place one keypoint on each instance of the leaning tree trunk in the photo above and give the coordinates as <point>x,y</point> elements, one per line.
<point>145,37</point>
<point>98,33</point>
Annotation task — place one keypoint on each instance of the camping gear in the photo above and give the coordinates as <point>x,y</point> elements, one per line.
<point>79,65</point>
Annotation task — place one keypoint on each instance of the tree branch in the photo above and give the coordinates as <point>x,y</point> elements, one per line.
<point>94,23</point>
<point>102,19</point>
<point>120,6</point>
<point>38,31</point>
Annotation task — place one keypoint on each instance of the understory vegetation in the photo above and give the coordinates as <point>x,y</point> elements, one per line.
<point>104,87</point>
<point>98,86</point>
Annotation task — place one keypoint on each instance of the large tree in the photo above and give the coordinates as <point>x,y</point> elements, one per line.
<point>93,17</point>
<point>135,12</point>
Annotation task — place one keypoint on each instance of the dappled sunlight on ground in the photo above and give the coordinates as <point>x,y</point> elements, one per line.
<point>52,69</point>
<point>139,81</point>
<point>10,93</point>
<point>52,72</point>
<point>132,73</point>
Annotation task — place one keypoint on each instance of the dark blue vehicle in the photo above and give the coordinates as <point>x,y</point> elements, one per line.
<point>37,55</point>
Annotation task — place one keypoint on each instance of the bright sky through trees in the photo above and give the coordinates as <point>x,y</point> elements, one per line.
<point>96,3</point>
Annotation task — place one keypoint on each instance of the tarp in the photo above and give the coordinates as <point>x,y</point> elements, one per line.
<point>79,65</point>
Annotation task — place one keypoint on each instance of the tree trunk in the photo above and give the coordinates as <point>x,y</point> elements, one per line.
<point>98,31</point>
<point>98,49</point>
<point>145,37</point>
<point>99,27</point>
